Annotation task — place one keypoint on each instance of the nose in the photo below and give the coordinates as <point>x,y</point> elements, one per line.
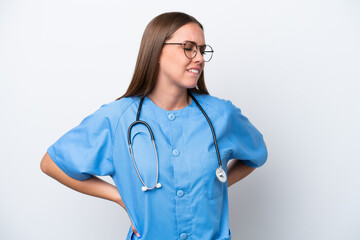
<point>199,58</point>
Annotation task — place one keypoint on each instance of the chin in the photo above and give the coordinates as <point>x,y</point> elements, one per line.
<point>189,86</point>
<point>187,83</point>
<point>191,83</point>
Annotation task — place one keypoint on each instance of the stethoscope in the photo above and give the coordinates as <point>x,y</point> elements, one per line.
<point>219,172</point>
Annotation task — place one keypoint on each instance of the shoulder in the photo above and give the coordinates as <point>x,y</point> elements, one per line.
<point>110,112</point>
<point>117,107</point>
<point>213,103</point>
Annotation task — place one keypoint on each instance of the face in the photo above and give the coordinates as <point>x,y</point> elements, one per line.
<point>175,68</point>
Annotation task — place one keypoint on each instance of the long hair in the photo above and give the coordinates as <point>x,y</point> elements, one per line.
<point>160,29</point>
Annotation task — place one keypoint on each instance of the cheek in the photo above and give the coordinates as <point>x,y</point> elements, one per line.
<point>179,60</point>
<point>175,64</point>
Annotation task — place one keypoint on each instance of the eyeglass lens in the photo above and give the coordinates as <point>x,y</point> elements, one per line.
<point>190,50</point>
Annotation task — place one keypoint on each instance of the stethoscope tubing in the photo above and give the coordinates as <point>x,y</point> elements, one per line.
<point>211,126</point>
<point>219,170</point>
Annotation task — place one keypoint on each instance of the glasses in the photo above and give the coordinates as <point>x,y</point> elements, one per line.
<point>191,49</point>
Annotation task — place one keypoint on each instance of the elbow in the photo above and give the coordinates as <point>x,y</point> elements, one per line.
<point>44,164</point>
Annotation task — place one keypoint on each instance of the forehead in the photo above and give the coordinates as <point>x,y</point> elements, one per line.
<point>189,32</point>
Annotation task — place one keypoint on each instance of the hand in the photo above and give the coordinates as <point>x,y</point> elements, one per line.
<point>121,203</point>
<point>134,230</point>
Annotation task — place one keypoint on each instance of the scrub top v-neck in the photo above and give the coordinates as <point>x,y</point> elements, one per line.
<point>192,203</point>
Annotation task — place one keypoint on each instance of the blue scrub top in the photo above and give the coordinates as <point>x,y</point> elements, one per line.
<point>192,203</point>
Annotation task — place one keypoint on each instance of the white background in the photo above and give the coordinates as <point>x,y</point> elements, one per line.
<point>292,67</point>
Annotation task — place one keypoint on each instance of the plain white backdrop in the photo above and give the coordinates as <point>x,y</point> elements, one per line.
<point>292,67</point>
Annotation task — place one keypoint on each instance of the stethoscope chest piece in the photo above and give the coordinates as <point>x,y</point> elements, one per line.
<point>220,174</point>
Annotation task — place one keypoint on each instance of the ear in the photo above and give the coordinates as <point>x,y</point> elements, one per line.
<point>161,53</point>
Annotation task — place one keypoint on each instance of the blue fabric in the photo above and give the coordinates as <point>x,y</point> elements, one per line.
<point>191,203</point>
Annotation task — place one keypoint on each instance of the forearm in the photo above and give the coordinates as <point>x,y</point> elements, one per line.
<point>94,186</point>
<point>237,170</point>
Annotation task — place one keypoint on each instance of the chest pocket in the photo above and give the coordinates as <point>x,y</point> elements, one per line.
<point>213,188</point>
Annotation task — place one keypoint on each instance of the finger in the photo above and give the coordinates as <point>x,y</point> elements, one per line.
<point>134,230</point>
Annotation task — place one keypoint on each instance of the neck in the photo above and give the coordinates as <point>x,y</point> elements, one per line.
<point>170,99</point>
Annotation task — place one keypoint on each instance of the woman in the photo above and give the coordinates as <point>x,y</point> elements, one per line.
<point>174,187</point>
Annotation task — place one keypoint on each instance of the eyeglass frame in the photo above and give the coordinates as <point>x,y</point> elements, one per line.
<point>196,50</point>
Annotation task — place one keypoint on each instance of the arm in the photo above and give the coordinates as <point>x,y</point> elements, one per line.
<point>237,170</point>
<point>94,186</point>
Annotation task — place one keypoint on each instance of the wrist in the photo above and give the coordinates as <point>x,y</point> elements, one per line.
<point>119,201</point>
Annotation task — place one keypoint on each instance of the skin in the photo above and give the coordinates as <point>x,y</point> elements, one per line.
<point>173,79</point>
<point>170,94</point>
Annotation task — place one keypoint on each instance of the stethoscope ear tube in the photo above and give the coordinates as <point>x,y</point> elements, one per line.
<point>139,122</point>
<point>212,129</point>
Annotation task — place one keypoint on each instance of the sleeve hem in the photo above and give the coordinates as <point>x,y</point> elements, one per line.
<point>251,164</point>
<point>258,163</point>
<point>80,177</point>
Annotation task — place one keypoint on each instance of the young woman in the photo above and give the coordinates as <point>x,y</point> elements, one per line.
<point>166,142</point>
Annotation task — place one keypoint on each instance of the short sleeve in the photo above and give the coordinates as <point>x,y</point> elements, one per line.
<point>86,149</point>
<point>246,142</point>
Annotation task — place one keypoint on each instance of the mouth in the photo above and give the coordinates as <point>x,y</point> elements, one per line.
<point>193,70</point>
